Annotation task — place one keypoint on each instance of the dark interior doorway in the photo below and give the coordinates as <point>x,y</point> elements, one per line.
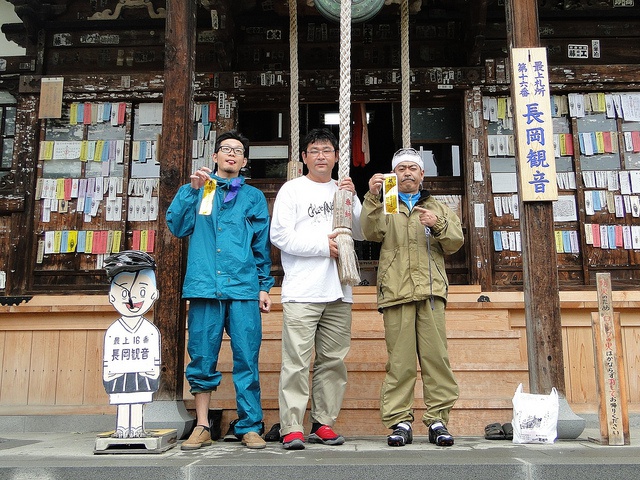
<point>381,138</point>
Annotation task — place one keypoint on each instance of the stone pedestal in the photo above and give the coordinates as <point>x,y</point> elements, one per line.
<point>169,414</point>
<point>570,425</point>
<point>156,441</point>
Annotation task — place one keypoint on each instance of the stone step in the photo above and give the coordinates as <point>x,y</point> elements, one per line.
<point>362,416</point>
<point>70,456</point>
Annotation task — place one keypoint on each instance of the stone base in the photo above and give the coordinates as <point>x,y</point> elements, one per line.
<point>168,414</point>
<point>157,441</point>
<point>570,425</point>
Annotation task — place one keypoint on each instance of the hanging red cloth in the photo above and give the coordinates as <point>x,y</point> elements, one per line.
<point>357,153</point>
<point>365,134</point>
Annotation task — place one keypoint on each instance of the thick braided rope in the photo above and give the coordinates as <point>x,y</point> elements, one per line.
<point>342,230</point>
<point>342,210</point>
<point>345,89</point>
<point>293,88</point>
<point>405,74</point>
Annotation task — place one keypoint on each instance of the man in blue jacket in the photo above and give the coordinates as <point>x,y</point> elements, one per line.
<point>227,283</point>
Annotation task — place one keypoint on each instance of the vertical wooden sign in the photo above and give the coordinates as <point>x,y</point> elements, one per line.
<point>610,377</point>
<point>534,129</point>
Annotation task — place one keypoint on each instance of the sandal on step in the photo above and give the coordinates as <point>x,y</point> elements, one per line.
<point>507,428</point>
<point>494,431</point>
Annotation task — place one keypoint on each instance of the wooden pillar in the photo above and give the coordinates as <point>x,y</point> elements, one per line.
<point>539,260</point>
<point>22,208</point>
<point>175,157</point>
<point>477,193</point>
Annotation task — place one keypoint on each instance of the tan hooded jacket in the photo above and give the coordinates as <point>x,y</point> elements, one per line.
<point>411,266</point>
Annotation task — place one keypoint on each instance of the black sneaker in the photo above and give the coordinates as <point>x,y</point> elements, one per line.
<point>230,436</point>
<point>273,435</point>
<point>401,436</point>
<point>439,435</point>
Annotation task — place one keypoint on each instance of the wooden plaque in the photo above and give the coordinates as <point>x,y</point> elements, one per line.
<point>51,98</point>
<point>534,124</point>
<point>610,376</point>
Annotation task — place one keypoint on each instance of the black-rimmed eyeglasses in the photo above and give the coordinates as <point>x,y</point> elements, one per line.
<point>226,149</point>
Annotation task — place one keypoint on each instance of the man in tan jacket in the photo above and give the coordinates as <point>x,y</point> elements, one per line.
<point>412,293</point>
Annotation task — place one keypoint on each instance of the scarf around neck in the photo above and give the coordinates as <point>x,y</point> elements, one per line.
<point>232,185</point>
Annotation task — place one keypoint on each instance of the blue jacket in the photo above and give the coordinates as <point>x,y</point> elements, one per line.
<point>228,250</point>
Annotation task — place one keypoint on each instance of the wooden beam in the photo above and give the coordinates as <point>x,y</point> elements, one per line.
<point>540,270</point>
<point>175,155</point>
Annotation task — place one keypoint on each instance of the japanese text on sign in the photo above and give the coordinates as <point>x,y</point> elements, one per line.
<point>534,128</point>
<point>609,362</point>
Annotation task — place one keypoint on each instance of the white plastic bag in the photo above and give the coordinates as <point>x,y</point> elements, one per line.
<point>535,417</point>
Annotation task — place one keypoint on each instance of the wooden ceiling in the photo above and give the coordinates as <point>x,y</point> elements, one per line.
<point>479,20</point>
<point>36,15</point>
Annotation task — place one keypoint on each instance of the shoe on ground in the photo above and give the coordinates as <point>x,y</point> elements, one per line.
<point>402,435</point>
<point>200,437</point>
<point>273,435</point>
<point>439,435</point>
<point>326,436</point>
<point>507,428</point>
<point>253,440</point>
<point>494,431</point>
<point>230,436</point>
<point>293,441</point>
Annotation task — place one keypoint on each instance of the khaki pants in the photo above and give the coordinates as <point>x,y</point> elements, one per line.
<point>413,329</point>
<point>327,327</point>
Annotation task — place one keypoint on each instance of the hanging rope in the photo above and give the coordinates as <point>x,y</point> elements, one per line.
<point>405,74</point>
<point>294,169</point>
<point>345,88</point>
<point>343,200</point>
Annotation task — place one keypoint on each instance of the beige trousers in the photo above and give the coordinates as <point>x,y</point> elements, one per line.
<point>327,327</point>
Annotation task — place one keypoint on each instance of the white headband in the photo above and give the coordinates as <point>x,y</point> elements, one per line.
<point>407,157</point>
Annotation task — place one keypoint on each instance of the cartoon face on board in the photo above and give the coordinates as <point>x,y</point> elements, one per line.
<point>133,293</point>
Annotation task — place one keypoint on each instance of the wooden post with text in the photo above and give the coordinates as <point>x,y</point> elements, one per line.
<point>610,376</point>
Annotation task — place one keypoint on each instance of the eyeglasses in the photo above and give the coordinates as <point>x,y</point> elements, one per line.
<point>315,152</point>
<point>226,149</point>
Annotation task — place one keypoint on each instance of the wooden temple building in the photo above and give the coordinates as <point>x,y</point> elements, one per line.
<point>145,86</point>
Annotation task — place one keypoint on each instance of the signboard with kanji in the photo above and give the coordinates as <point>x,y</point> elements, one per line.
<point>534,126</point>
